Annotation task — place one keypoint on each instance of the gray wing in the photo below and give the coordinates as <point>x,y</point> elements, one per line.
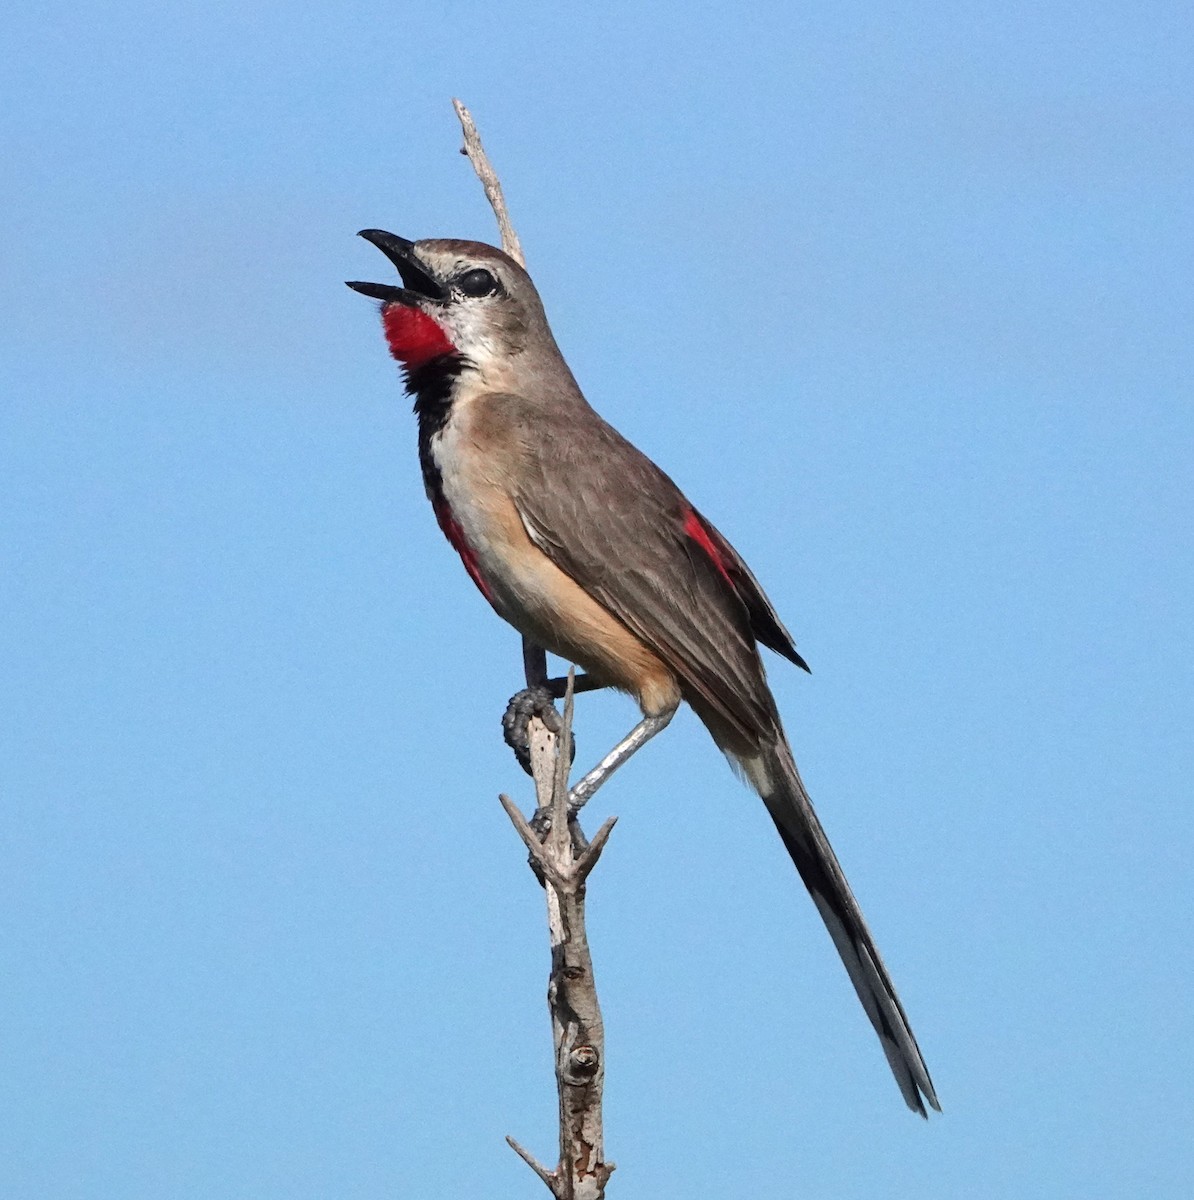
<point>614,522</point>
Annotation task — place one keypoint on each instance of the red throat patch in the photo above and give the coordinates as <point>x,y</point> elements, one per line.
<point>414,337</point>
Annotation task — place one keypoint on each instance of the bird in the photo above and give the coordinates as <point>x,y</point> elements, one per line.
<point>585,546</point>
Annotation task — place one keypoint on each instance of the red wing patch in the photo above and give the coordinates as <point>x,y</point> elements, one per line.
<point>764,623</point>
<point>455,535</point>
<point>696,530</point>
<point>413,336</point>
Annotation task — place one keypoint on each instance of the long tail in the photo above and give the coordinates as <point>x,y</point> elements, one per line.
<point>774,776</point>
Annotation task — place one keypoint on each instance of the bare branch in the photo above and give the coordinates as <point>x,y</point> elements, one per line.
<point>528,835</point>
<point>564,862</point>
<point>564,748</point>
<point>588,860</point>
<point>531,1161</point>
<point>560,836</point>
<point>489,181</point>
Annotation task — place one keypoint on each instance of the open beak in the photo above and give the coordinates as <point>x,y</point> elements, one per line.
<point>418,281</point>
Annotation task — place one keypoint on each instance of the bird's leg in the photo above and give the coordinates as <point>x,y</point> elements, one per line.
<point>638,737</point>
<point>580,683</point>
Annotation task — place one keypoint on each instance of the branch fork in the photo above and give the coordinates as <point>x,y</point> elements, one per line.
<point>563,860</point>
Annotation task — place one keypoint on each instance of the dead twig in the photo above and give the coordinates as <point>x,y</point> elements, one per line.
<point>564,861</point>
<point>489,181</point>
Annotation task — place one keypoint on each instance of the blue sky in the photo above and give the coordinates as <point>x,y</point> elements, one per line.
<point>900,294</point>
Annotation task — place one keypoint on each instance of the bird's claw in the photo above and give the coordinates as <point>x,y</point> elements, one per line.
<point>524,706</point>
<point>541,823</point>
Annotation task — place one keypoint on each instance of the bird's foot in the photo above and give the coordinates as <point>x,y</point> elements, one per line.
<point>524,706</point>
<point>541,824</point>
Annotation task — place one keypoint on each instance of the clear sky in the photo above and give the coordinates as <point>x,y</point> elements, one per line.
<point>900,294</point>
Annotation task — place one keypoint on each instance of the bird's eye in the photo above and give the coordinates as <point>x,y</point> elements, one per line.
<point>477,282</point>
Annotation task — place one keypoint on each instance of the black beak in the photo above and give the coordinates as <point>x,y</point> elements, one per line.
<point>419,283</point>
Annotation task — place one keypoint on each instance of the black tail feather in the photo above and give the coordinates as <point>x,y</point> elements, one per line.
<point>776,779</point>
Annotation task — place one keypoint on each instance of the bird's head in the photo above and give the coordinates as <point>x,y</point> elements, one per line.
<point>461,300</point>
